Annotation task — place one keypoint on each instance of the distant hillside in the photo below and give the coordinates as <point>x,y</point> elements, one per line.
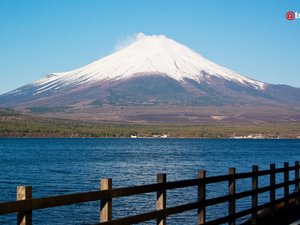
<point>8,112</point>
<point>15,124</point>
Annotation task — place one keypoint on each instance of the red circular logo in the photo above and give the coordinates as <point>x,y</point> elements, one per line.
<point>290,15</point>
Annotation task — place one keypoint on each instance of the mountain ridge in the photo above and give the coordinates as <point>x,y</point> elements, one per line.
<point>152,71</point>
<point>154,54</point>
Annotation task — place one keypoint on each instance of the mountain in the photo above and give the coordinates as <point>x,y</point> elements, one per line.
<point>153,71</point>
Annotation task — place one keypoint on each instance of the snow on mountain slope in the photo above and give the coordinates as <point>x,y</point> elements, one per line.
<point>178,84</point>
<point>155,54</point>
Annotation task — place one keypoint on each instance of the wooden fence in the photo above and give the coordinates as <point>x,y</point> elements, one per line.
<point>25,204</point>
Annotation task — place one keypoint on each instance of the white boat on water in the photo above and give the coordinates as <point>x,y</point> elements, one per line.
<point>159,136</point>
<point>133,136</point>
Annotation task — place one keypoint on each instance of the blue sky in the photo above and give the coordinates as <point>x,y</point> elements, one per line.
<point>250,37</point>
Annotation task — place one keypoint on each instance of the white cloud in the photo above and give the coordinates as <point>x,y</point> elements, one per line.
<point>130,39</point>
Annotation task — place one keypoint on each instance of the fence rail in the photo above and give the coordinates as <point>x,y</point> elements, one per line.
<point>25,204</point>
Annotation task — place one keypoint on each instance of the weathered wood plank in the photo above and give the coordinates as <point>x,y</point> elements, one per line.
<point>47,202</point>
<point>232,188</point>
<point>297,200</point>
<point>23,193</point>
<point>272,188</point>
<point>255,194</point>
<point>202,198</point>
<point>161,200</point>
<point>287,186</point>
<point>106,204</point>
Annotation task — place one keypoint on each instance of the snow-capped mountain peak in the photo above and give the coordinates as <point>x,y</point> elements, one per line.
<point>155,79</point>
<point>148,54</point>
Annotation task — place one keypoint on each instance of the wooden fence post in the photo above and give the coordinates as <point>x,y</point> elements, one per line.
<point>286,186</point>
<point>272,188</point>
<point>297,200</point>
<point>202,197</point>
<point>23,193</point>
<point>106,204</point>
<point>161,199</point>
<point>231,205</point>
<point>255,194</point>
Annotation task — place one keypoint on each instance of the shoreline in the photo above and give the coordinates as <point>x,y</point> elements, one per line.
<point>203,138</point>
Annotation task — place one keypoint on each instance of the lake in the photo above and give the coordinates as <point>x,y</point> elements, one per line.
<point>61,166</point>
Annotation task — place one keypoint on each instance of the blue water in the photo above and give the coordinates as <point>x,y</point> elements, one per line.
<point>62,166</point>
